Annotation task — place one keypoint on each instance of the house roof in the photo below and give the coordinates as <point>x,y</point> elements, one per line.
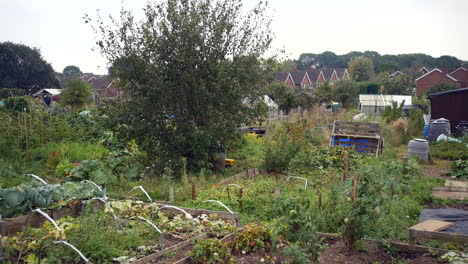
<point>298,76</point>
<point>461,68</point>
<point>398,72</point>
<point>49,91</point>
<point>327,73</point>
<point>281,76</point>
<point>461,90</point>
<point>97,82</point>
<point>340,72</point>
<point>313,74</point>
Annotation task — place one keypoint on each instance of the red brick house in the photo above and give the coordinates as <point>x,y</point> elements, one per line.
<point>461,74</point>
<point>102,86</point>
<point>301,79</point>
<point>435,76</point>
<point>284,77</point>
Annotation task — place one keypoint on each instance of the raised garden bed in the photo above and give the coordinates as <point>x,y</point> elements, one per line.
<point>138,223</point>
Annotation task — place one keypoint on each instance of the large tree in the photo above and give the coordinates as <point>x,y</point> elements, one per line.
<point>361,69</point>
<point>190,71</point>
<point>346,92</point>
<point>72,70</point>
<point>397,85</point>
<point>23,67</point>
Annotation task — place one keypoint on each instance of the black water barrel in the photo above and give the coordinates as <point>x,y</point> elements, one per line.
<point>438,127</point>
<point>418,148</point>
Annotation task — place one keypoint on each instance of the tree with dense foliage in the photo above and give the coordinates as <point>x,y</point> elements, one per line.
<point>190,71</point>
<point>346,92</point>
<point>398,84</point>
<point>77,94</point>
<point>388,66</point>
<point>382,63</point>
<point>23,67</point>
<point>440,87</point>
<point>361,69</point>
<point>324,92</point>
<point>71,70</point>
<point>285,96</point>
<point>10,92</point>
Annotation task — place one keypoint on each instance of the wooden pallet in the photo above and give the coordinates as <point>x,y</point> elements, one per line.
<point>362,136</point>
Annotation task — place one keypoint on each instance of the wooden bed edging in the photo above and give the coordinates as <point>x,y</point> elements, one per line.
<point>15,224</point>
<point>227,238</point>
<point>152,258</point>
<point>415,234</point>
<point>396,244</point>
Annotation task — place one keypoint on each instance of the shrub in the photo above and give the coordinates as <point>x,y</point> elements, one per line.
<point>460,169</point>
<point>449,150</point>
<point>10,92</point>
<point>279,153</point>
<point>210,251</point>
<point>18,103</point>
<point>254,237</point>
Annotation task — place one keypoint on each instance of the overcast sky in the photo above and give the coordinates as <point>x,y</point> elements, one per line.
<point>434,27</point>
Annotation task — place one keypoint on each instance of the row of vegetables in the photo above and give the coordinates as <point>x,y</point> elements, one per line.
<point>21,199</point>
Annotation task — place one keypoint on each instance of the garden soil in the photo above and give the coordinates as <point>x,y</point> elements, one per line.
<point>373,253</point>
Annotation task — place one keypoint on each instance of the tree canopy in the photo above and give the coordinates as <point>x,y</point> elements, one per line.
<point>382,63</point>
<point>23,67</point>
<point>188,70</point>
<point>361,68</point>
<point>72,70</point>
<point>441,87</point>
<point>399,84</point>
<point>76,94</point>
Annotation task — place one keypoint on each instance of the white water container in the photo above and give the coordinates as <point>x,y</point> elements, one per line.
<point>418,148</point>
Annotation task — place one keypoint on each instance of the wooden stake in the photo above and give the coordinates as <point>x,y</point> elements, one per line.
<point>26,132</point>
<point>346,166</point>
<point>194,194</point>
<point>240,197</point>
<point>355,188</point>
<point>247,173</point>
<point>405,165</point>
<point>277,192</point>
<point>171,194</point>
<point>229,195</point>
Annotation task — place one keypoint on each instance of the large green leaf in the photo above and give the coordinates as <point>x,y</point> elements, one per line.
<point>13,198</point>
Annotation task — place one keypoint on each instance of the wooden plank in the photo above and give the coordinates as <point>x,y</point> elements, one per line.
<point>357,129</point>
<point>450,189</point>
<point>356,136</point>
<point>404,247</point>
<point>355,133</point>
<point>450,195</point>
<point>432,225</point>
<point>357,123</point>
<point>153,257</point>
<point>222,215</point>
<point>447,237</point>
<point>457,184</point>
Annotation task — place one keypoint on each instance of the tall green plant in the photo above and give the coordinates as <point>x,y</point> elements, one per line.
<point>187,101</point>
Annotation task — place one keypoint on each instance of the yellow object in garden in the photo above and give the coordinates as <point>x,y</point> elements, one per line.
<point>230,162</point>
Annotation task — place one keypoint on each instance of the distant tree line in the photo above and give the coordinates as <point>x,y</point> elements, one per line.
<point>24,68</point>
<point>381,63</point>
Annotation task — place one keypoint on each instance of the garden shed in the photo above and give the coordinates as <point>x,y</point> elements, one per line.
<point>451,105</point>
<point>47,93</point>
